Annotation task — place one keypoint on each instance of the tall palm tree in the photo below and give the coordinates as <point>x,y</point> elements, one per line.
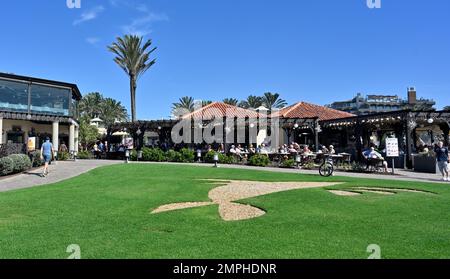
<point>272,101</point>
<point>251,102</point>
<point>133,56</point>
<point>231,101</point>
<point>185,104</point>
<point>112,111</point>
<point>90,104</point>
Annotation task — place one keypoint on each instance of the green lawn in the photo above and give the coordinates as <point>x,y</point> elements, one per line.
<point>107,213</point>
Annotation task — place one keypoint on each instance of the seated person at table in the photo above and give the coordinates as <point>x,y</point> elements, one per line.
<point>373,154</point>
<point>263,149</point>
<point>233,150</point>
<point>292,149</point>
<point>239,149</point>
<point>209,148</point>
<point>331,150</point>
<point>221,148</point>
<point>306,150</point>
<point>251,149</point>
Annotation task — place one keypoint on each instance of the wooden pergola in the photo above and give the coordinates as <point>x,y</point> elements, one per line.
<point>138,129</point>
<point>403,124</point>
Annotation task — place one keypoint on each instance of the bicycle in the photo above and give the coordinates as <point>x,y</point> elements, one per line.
<point>326,169</point>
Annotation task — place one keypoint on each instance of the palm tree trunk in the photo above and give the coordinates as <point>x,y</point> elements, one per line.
<point>133,97</point>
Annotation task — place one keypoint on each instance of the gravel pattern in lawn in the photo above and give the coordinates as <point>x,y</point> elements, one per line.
<point>234,190</point>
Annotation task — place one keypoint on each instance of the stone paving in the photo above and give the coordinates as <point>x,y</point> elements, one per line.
<point>68,169</point>
<point>404,175</point>
<point>60,171</point>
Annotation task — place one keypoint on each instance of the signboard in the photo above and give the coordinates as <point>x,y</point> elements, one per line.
<point>392,147</point>
<point>128,142</point>
<point>31,144</point>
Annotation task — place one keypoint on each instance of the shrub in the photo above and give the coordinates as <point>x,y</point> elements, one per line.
<point>288,164</point>
<point>7,149</point>
<point>6,165</point>
<point>36,159</point>
<point>187,155</point>
<point>209,157</point>
<point>63,156</point>
<point>259,160</point>
<point>309,166</point>
<point>223,159</point>
<point>153,154</point>
<point>133,155</point>
<point>85,155</point>
<point>21,162</point>
<point>174,156</point>
<point>14,163</point>
<point>358,167</point>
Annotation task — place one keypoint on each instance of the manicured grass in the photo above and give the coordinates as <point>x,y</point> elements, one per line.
<point>107,213</point>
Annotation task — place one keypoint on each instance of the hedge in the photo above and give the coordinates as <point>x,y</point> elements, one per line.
<point>14,164</point>
<point>259,160</point>
<point>85,155</point>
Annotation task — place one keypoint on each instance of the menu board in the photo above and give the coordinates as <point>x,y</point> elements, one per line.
<point>31,144</point>
<point>392,147</point>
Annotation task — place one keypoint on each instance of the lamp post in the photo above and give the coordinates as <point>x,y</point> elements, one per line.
<point>138,144</point>
<point>199,155</point>
<point>298,160</point>
<point>216,160</point>
<point>127,156</point>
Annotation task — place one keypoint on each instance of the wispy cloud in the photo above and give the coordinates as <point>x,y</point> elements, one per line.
<point>93,40</point>
<point>141,26</point>
<point>89,15</point>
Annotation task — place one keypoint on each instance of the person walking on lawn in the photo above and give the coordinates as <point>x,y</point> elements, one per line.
<point>442,159</point>
<point>46,155</point>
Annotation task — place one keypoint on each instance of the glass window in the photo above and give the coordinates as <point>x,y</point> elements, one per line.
<point>50,100</point>
<point>13,96</point>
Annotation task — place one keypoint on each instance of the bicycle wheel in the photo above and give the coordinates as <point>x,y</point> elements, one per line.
<point>326,169</point>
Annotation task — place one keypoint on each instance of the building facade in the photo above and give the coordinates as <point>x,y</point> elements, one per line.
<point>38,108</point>
<point>370,104</point>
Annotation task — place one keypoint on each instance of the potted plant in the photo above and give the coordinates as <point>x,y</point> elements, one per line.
<point>425,162</point>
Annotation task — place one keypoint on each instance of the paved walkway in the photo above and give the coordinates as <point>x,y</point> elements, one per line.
<point>68,169</point>
<point>60,171</point>
<point>403,175</point>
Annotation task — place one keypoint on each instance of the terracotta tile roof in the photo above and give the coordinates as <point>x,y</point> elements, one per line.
<point>307,110</point>
<point>220,110</point>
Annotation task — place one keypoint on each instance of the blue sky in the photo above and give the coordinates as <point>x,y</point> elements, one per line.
<point>312,50</point>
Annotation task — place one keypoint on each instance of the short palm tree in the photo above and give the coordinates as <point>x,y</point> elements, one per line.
<point>133,56</point>
<point>251,102</point>
<point>185,104</point>
<point>231,101</point>
<point>90,104</point>
<point>112,111</point>
<point>271,101</point>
